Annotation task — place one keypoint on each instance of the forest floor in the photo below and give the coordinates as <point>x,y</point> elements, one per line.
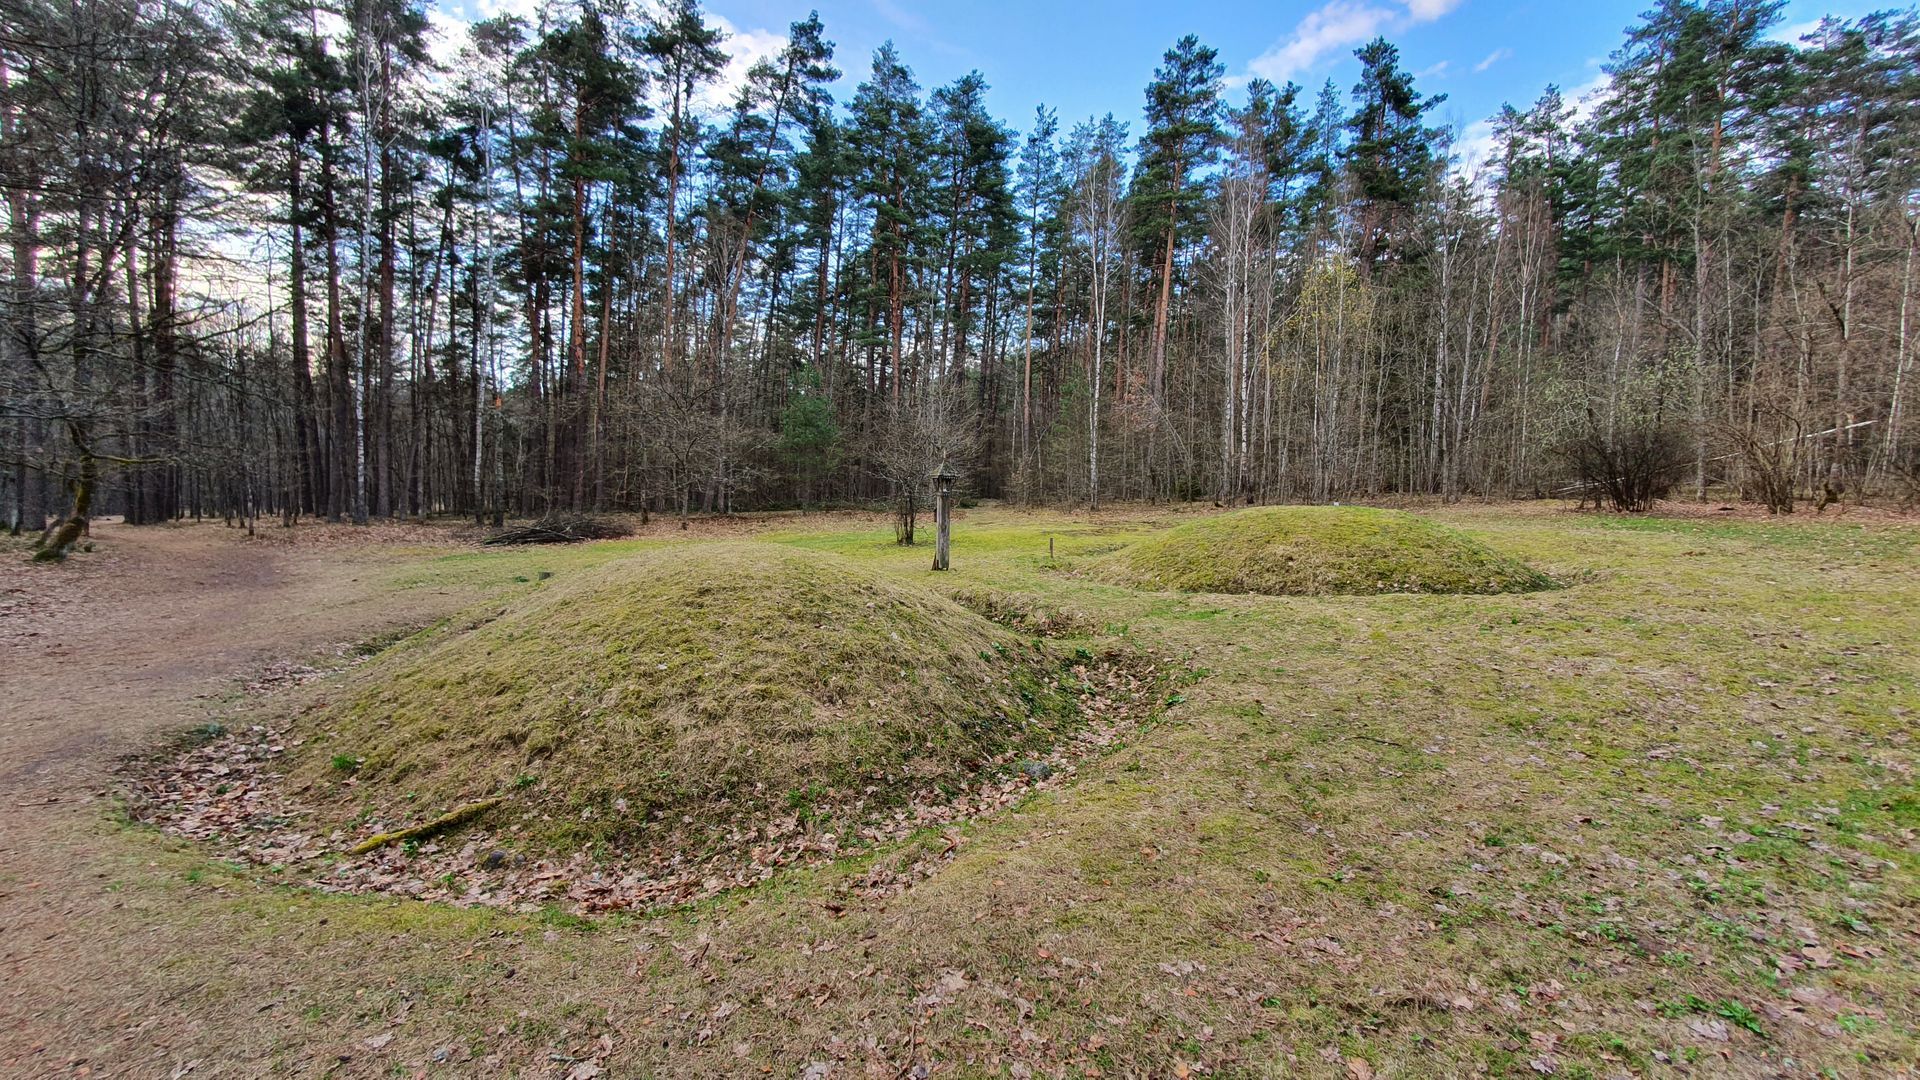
<point>1661,820</point>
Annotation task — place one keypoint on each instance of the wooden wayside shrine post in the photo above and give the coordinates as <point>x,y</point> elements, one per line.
<point>942,514</point>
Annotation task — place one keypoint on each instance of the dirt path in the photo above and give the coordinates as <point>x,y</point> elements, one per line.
<point>99,658</point>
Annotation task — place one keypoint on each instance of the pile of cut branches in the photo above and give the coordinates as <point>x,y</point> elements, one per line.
<point>558,529</point>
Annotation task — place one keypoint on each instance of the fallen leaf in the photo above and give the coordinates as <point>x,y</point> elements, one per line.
<point>1715,1030</point>
<point>944,990</point>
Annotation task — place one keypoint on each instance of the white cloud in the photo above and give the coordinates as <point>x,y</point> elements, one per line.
<point>1493,58</point>
<point>744,48</point>
<point>1474,146</point>
<point>900,17</point>
<point>493,9</point>
<point>1337,24</point>
<point>1589,96</point>
<point>449,34</point>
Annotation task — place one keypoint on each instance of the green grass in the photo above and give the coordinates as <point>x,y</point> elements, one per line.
<point>1598,826</point>
<point>1318,551</point>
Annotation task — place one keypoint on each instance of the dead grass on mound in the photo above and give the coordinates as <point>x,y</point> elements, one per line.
<point>659,729</point>
<point>227,789</point>
<point>850,714</point>
<point>1318,551</point>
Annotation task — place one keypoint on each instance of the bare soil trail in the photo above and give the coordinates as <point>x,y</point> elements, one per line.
<point>100,658</point>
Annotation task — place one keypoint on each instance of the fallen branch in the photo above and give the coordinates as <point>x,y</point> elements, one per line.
<point>1382,742</point>
<point>450,820</point>
<point>558,529</point>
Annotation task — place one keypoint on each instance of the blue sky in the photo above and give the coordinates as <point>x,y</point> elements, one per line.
<point>1090,58</point>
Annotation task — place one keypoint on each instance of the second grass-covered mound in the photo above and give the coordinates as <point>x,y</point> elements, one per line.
<point>1318,551</point>
<point>673,695</point>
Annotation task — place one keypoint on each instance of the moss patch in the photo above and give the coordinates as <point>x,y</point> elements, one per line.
<point>1317,551</point>
<point>666,696</point>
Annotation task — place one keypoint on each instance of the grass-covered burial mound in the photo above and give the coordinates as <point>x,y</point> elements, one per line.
<point>667,698</point>
<point>1317,551</point>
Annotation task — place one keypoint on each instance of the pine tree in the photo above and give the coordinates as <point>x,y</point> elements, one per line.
<point>686,55</point>
<point>1042,193</point>
<point>1182,137</point>
<point>977,222</point>
<point>890,147</point>
<point>275,137</point>
<point>753,160</point>
<point>1390,156</point>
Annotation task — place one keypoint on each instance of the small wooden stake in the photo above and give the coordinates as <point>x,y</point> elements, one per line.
<point>942,514</point>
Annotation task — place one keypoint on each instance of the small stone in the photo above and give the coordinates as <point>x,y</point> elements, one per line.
<point>1036,770</point>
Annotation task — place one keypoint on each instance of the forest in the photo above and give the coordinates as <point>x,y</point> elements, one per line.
<point>270,260</point>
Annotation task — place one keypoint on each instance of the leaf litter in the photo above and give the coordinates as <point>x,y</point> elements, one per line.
<point>229,793</point>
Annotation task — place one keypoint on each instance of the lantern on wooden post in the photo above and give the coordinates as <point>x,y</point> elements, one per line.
<point>942,513</point>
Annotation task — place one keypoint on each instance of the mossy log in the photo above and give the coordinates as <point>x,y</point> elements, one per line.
<point>56,547</point>
<point>453,819</point>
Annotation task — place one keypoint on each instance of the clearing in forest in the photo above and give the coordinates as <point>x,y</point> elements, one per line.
<point>1663,815</point>
<point>1318,551</point>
